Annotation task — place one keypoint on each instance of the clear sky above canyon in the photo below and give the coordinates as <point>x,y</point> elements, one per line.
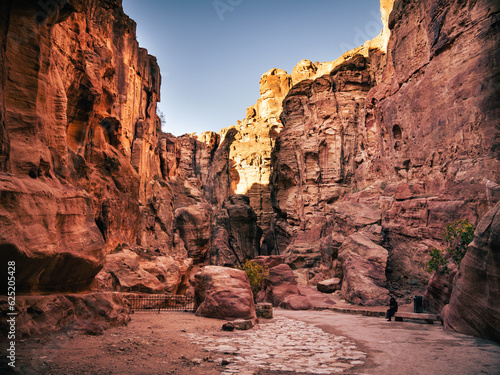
<point>213,53</point>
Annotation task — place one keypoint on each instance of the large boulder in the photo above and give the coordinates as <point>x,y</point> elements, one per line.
<point>474,307</point>
<point>330,285</point>
<point>127,271</point>
<point>223,293</point>
<point>280,284</point>
<point>193,225</point>
<point>282,291</point>
<point>363,266</point>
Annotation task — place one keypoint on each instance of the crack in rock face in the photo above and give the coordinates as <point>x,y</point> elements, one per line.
<point>283,345</point>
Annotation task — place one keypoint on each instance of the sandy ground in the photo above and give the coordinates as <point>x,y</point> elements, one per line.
<point>409,348</point>
<point>155,343</point>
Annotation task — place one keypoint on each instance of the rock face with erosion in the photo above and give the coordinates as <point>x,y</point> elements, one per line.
<point>80,124</point>
<point>85,169</point>
<point>365,149</point>
<point>223,293</point>
<point>352,168</point>
<point>474,307</point>
<point>243,161</point>
<point>438,291</point>
<point>363,265</point>
<point>90,313</point>
<point>281,290</point>
<point>236,235</point>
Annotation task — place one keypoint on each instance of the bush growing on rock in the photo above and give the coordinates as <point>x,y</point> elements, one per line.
<point>458,235</point>
<point>257,274</point>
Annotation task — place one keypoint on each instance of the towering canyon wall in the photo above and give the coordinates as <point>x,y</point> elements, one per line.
<point>84,165</point>
<point>394,145</point>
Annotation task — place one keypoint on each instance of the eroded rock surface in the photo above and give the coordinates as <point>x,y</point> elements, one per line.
<point>438,291</point>
<point>363,149</point>
<point>363,264</point>
<point>81,130</point>
<point>223,293</point>
<point>89,313</point>
<point>236,235</point>
<point>474,307</point>
<point>281,290</point>
<point>140,272</point>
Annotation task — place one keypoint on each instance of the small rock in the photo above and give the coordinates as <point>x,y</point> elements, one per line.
<point>264,310</point>
<point>329,286</point>
<point>243,324</point>
<point>228,327</point>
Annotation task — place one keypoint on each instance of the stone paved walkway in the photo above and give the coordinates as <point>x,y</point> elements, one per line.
<point>283,344</point>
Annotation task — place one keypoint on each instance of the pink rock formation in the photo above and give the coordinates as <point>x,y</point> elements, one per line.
<point>371,136</point>
<point>363,265</point>
<point>79,122</point>
<point>129,271</point>
<point>474,307</point>
<point>223,293</point>
<point>330,285</point>
<point>236,235</point>
<point>91,313</point>
<point>281,290</point>
<point>249,148</point>
<point>388,143</point>
<point>50,234</point>
<point>84,168</point>
<point>438,292</point>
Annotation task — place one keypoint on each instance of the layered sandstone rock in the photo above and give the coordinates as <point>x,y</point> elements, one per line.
<point>50,234</point>
<point>236,235</point>
<point>365,130</point>
<point>281,290</point>
<point>474,307</point>
<point>78,118</point>
<point>80,142</point>
<point>223,293</point>
<point>90,313</point>
<point>140,272</point>
<point>438,291</point>
<point>313,160</point>
<point>363,265</point>
<point>249,148</point>
<point>330,285</point>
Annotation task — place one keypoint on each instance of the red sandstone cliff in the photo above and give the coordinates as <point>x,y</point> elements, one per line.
<point>394,145</point>
<point>83,163</point>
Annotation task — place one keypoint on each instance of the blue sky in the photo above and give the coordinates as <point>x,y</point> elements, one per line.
<point>212,53</point>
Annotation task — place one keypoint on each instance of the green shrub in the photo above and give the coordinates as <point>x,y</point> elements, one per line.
<point>458,235</point>
<point>437,262</point>
<point>257,274</point>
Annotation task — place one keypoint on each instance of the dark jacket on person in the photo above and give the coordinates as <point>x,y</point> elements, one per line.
<point>393,305</point>
<point>393,308</point>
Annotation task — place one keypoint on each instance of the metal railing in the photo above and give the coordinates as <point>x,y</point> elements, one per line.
<point>160,302</point>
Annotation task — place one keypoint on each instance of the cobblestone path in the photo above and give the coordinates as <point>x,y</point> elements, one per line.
<point>282,344</point>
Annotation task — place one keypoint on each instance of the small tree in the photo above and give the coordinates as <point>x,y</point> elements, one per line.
<point>458,235</point>
<point>257,274</point>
